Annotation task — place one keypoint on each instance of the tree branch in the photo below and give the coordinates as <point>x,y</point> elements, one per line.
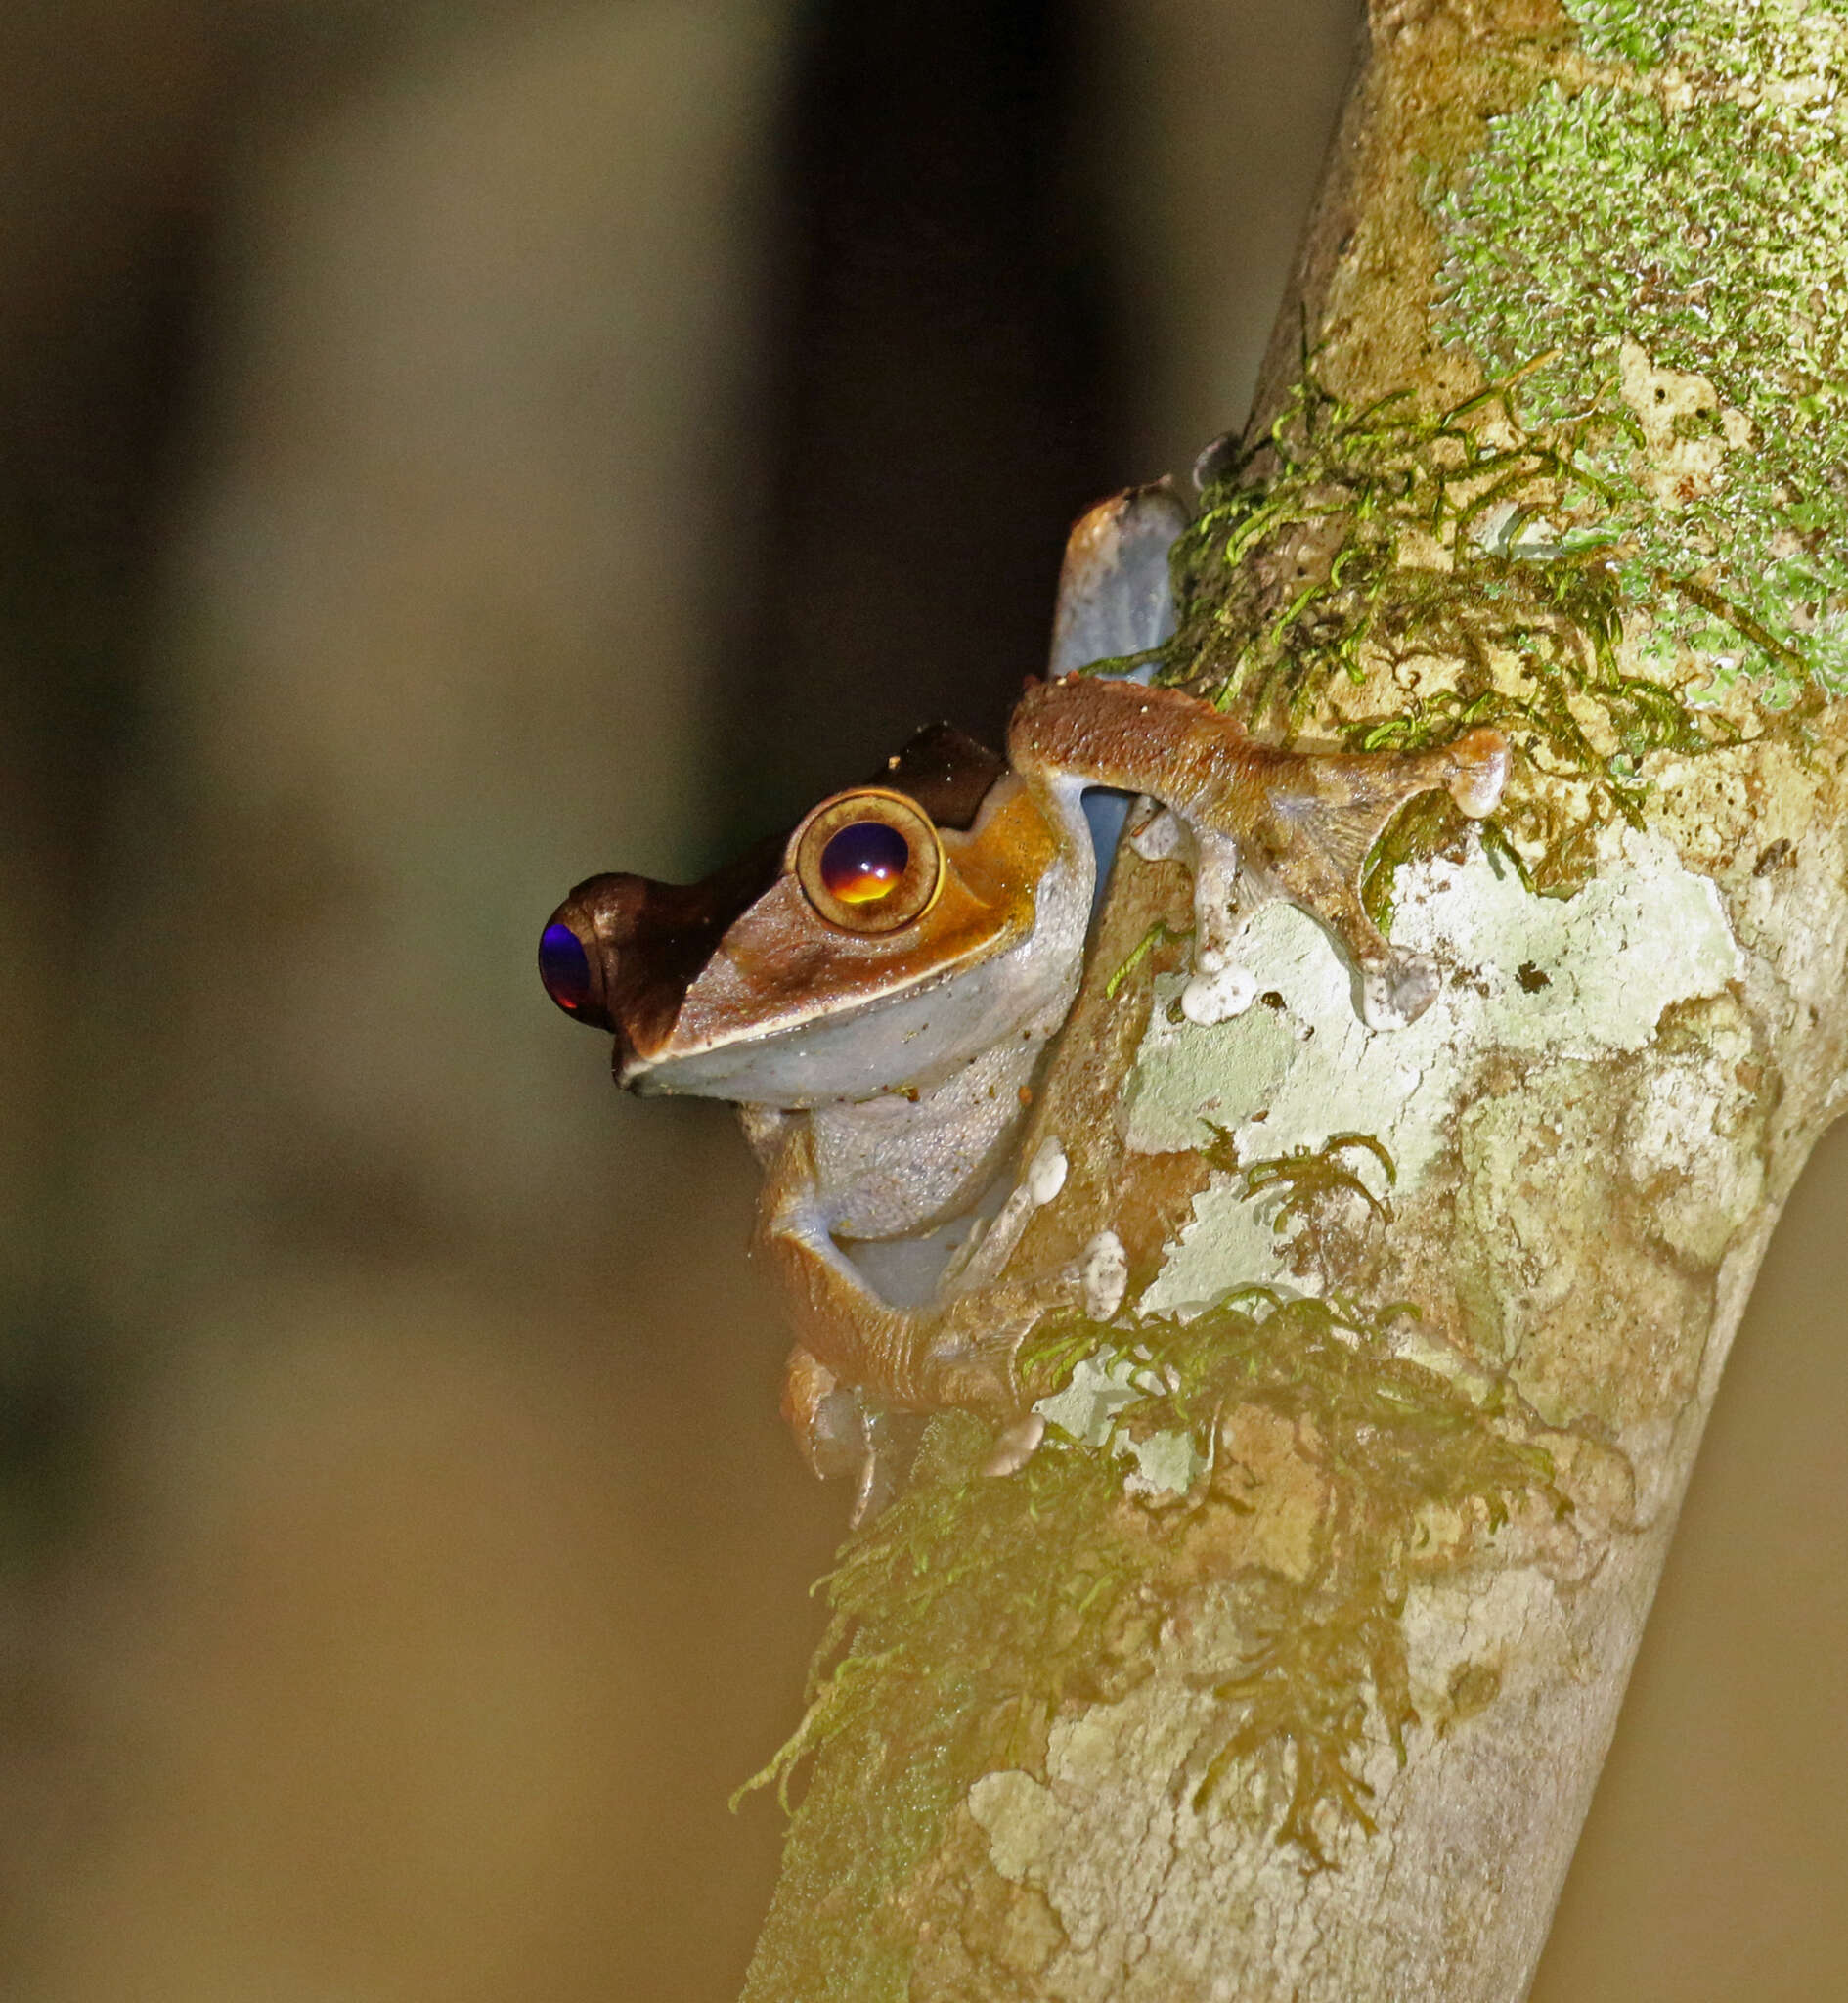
<point>1287,1665</point>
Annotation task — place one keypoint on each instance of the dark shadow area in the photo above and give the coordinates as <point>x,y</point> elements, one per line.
<point>940,407</point>
<point>402,1556</point>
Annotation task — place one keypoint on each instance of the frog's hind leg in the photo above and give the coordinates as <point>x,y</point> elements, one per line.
<point>850,1341</point>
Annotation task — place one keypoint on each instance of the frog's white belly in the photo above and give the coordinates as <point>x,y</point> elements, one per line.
<point>890,1167</point>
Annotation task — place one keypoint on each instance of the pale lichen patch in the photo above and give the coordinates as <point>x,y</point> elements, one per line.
<point>1693,1142</point>
<point>1021,1820</point>
<point>1101,1388</point>
<point>1647,932</point>
<point>1687,435</point>
<point>1112,1769</point>
<point>1090,1407</point>
<point>1539,1173</point>
<point>1228,1233</point>
<point>1456,1625</point>
<point>1168,1464</point>
<point>1542,977</point>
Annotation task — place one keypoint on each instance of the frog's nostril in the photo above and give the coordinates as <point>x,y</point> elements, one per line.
<point>565,969</point>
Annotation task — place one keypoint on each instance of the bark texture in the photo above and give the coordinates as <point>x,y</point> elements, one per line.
<point>1287,1667</point>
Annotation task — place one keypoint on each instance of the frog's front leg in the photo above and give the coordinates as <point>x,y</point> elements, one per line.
<point>959,1351</point>
<point>1257,823</point>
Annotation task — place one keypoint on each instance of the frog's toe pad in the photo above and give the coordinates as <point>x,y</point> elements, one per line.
<point>1211,997</point>
<point>827,1417</point>
<point>1015,1446</point>
<point>837,1442</point>
<point>1395,993</point>
<point>1478,772</point>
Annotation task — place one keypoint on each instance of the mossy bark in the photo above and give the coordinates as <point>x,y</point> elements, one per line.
<point>1286,1669</point>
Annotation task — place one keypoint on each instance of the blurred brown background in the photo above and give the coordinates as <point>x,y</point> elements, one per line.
<point>445,450</point>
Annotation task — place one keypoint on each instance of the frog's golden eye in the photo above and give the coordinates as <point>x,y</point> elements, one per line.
<point>870,861</point>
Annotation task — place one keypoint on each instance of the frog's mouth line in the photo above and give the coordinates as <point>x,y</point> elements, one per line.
<point>622,952</point>
<point>709,1051</point>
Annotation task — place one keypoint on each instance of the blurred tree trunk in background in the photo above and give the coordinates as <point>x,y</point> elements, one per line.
<point>400,570</point>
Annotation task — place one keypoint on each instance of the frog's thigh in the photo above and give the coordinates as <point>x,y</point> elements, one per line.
<point>1114,593</point>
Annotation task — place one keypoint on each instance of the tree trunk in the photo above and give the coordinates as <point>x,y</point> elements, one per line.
<point>1286,1667</point>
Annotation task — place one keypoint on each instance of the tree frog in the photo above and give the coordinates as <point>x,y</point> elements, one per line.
<point>876,990</point>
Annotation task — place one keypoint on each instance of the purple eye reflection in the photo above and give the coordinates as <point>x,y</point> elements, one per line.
<point>866,862</point>
<point>564,968</point>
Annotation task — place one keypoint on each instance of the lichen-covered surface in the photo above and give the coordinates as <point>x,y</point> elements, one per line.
<point>1647,229</point>
<point>1286,1667</point>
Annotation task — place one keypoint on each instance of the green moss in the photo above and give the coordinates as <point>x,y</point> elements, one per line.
<point>1432,824</point>
<point>1160,933</point>
<point>1391,1439</point>
<point>961,1618</point>
<point>1698,223</point>
<point>1741,41</point>
<point>1304,1174</point>
<point>1304,1688</point>
<point>973,1608</point>
<point>1344,541</point>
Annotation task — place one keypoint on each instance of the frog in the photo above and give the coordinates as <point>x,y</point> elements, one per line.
<point>878,989</point>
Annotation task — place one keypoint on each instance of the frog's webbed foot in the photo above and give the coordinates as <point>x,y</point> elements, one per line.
<point>956,1358</point>
<point>1392,987</point>
<point>970,1343</point>
<point>843,1429</point>
<point>1312,850</point>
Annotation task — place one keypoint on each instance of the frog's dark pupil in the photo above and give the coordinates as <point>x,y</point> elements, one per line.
<point>564,968</point>
<point>866,862</point>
